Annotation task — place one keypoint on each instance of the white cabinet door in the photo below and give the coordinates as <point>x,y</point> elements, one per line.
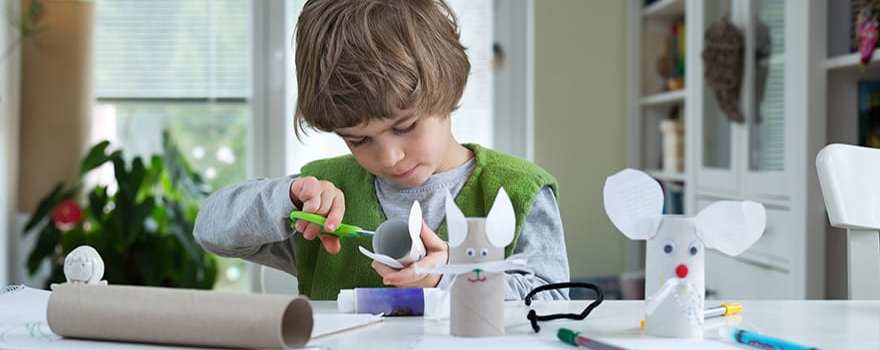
<point>715,135</point>
<point>774,71</point>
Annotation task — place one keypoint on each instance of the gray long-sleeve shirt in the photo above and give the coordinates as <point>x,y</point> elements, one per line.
<point>250,221</point>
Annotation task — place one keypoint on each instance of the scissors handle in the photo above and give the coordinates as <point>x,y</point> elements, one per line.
<point>343,231</point>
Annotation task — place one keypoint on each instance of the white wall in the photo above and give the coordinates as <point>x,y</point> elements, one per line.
<point>8,140</point>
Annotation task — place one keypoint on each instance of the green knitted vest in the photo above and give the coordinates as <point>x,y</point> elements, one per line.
<point>321,275</point>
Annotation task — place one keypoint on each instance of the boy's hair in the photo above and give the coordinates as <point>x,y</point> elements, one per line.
<point>360,60</point>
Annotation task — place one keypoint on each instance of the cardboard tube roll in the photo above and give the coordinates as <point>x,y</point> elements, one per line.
<point>179,316</point>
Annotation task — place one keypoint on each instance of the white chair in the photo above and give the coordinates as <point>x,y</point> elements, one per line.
<point>850,180</point>
<point>273,281</point>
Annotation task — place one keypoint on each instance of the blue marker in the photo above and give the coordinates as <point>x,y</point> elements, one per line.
<point>758,340</point>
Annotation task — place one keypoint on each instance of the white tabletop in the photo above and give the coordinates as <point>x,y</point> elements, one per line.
<point>823,324</point>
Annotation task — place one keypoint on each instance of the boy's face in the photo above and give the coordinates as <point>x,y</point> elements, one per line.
<point>405,149</point>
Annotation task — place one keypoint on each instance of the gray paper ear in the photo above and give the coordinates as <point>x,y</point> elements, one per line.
<point>456,224</point>
<point>634,203</point>
<point>731,226</point>
<point>501,221</point>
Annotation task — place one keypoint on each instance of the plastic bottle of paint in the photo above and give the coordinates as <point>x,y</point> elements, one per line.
<point>428,302</point>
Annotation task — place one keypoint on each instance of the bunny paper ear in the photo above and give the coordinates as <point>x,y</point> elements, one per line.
<point>731,226</point>
<point>456,224</point>
<point>415,220</point>
<point>634,203</point>
<point>501,221</point>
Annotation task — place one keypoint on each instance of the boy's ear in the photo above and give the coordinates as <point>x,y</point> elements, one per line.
<point>415,220</point>
<point>501,221</point>
<point>731,226</point>
<point>634,203</point>
<point>456,224</point>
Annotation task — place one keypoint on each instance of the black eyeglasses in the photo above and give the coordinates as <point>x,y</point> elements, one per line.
<point>534,318</point>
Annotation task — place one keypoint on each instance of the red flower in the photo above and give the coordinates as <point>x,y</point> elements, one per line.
<point>67,214</point>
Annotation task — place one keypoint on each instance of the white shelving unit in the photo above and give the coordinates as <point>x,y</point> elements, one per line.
<point>849,61</point>
<point>770,158</point>
<point>664,99</point>
<point>649,103</point>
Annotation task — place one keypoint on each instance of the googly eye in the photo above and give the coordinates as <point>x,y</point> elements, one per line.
<point>484,252</point>
<point>470,252</point>
<point>668,248</point>
<point>694,249</point>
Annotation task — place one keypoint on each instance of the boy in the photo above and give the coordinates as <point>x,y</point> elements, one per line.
<point>384,75</point>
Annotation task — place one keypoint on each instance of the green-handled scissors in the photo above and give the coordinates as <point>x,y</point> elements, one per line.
<point>343,231</point>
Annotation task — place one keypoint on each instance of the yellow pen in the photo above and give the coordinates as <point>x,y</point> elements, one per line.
<point>725,310</point>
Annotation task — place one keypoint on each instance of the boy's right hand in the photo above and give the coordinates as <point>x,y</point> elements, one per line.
<point>323,198</point>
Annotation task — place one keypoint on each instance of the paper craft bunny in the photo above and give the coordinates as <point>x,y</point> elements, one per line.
<point>397,242</point>
<point>676,247</point>
<point>477,296</point>
<point>476,259</point>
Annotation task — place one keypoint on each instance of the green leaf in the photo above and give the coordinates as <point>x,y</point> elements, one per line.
<point>44,207</point>
<point>96,157</point>
<point>44,248</point>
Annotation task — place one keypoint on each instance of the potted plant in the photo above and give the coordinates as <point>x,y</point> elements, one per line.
<point>142,226</point>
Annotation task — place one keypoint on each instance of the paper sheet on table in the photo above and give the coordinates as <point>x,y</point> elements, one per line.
<point>23,325</point>
<point>545,341</point>
<point>330,324</point>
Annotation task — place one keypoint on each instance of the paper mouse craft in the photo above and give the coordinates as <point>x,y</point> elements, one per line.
<point>397,242</point>
<point>476,259</point>
<point>676,247</point>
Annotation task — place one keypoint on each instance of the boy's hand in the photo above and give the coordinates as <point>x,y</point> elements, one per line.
<point>323,198</point>
<point>437,254</point>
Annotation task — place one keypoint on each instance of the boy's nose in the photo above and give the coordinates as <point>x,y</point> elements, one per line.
<point>390,156</point>
<point>681,271</point>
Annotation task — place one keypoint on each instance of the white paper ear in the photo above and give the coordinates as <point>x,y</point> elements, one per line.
<point>456,224</point>
<point>501,221</point>
<point>415,220</point>
<point>731,226</point>
<point>634,203</point>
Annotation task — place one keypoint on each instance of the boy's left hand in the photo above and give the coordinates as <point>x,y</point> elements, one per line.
<point>437,253</point>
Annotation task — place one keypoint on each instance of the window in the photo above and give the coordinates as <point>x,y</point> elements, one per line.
<point>185,66</point>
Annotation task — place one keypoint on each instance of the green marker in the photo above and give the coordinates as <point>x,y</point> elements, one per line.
<point>343,231</point>
<point>575,338</point>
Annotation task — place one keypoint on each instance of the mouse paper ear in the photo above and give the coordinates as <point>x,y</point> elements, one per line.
<point>456,224</point>
<point>634,203</point>
<point>731,226</point>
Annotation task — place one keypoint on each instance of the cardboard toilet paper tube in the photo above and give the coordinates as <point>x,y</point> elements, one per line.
<point>179,316</point>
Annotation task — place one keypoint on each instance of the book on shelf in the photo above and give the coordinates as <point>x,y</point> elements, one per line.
<point>869,113</point>
<point>673,198</point>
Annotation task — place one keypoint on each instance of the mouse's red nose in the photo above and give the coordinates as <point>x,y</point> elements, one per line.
<point>681,271</point>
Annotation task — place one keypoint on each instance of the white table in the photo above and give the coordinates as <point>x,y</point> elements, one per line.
<point>824,324</point>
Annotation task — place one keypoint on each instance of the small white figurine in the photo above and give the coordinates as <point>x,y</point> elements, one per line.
<point>676,246</point>
<point>84,265</point>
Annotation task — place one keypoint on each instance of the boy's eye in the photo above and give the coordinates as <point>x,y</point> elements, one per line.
<point>357,142</point>
<point>484,252</point>
<point>405,130</point>
<point>470,252</point>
